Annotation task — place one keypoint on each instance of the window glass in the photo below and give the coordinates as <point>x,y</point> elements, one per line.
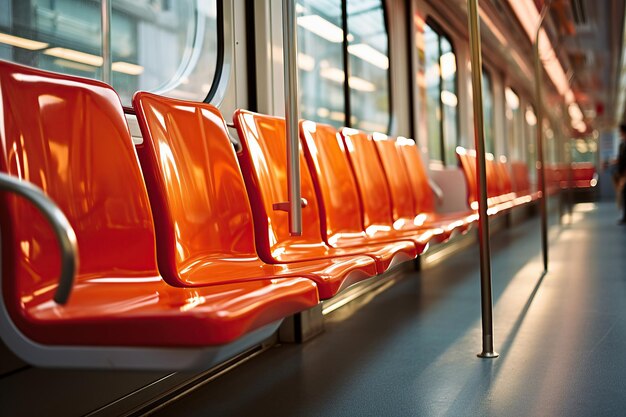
<point>584,150</point>
<point>488,113</point>
<point>323,84</point>
<point>449,100</point>
<point>320,61</point>
<point>531,140</point>
<point>441,96</point>
<point>433,93</point>
<point>514,125</point>
<point>169,47</point>
<point>369,65</point>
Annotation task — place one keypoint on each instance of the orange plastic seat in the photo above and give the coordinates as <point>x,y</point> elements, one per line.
<point>339,201</point>
<point>263,163</point>
<point>584,175</point>
<point>499,199</point>
<point>412,168</point>
<point>199,201</point>
<point>69,136</point>
<point>375,194</point>
<point>467,163</point>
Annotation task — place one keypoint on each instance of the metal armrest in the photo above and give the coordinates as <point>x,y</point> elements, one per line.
<point>60,225</point>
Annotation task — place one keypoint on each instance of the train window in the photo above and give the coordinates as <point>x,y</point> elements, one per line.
<point>488,113</point>
<point>326,54</point>
<point>531,129</point>
<point>441,95</point>
<point>321,62</point>
<point>158,45</point>
<point>514,125</point>
<point>584,150</point>
<point>369,65</point>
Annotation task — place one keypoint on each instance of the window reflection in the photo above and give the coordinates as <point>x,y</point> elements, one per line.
<point>320,61</point>
<point>441,95</point>
<point>531,135</point>
<point>169,47</point>
<point>514,126</point>
<point>322,66</point>
<point>369,65</point>
<point>488,113</point>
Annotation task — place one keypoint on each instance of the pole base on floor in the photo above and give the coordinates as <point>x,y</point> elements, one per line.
<point>488,355</point>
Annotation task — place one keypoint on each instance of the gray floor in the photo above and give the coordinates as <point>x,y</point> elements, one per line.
<point>411,350</point>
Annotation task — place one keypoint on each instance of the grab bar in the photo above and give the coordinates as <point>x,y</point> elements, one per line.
<point>62,229</point>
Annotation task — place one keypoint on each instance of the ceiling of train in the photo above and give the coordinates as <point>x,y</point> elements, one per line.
<point>588,37</point>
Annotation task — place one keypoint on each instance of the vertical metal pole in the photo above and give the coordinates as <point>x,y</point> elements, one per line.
<point>290,56</point>
<point>347,96</point>
<point>543,202</point>
<point>106,40</point>
<point>483,220</point>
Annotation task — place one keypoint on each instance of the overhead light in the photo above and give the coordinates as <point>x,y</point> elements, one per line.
<point>449,98</point>
<point>369,54</point>
<point>531,119</point>
<point>22,42</point>
<point>333,74</point>
<point>579,125</point>
<point>360,84</point>
<point>337,116</point>
<point>127,68</point>
<point>323,112</point>
<point>338,76</point>
<point>511,98</point>
<point>306,62</point>
<point>321,27</point>
<point>73,65</point>
<point>574,112</point>
<point>527,14</point>
<point>447,62</point>
<point>72,55</point>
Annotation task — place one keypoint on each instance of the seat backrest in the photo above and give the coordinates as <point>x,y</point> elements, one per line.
<point>370,178</point>
<point>200,205</point>
<point>583,171</point>
<point>263,161</point>
<point>493,182</point>
<point>402,200</point>
<point>467,161</point>
<point>334,182</point>
<point>504,176</point>
<point>520,178</point>
<point>416,173</point>
<point>396,176</point>
<point>69,136</point>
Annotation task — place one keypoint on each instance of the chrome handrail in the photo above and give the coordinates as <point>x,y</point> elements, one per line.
<point>62,229</point>
<point>290,65</point>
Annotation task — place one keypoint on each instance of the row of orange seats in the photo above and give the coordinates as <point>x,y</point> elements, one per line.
<point>184,252</point>
<point>580,175</point>
<point>506,188</point>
